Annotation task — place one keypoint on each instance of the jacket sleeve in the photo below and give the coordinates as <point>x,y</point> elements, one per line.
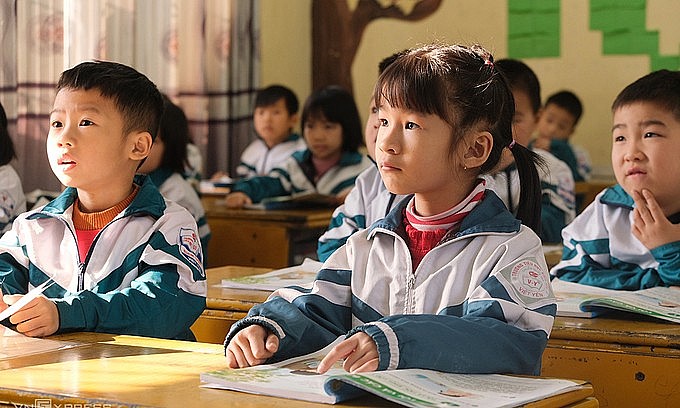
<point>347,219</point>
<point>586,257</point>
<point>502,327</point>
<point>261,187</point>
<point>305,320</point>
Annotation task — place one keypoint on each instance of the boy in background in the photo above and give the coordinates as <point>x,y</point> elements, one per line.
<point>274,117</point>
<point>116,257</point>
<point>557,121</point>
<point>629,237</point>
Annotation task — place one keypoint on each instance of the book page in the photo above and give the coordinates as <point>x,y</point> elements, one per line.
<point>298,275</point>
<point>659,302</point>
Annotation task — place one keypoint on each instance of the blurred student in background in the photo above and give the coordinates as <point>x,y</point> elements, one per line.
<point>12,199</point>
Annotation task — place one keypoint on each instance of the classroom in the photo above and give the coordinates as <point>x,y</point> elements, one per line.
<point>212,60</point>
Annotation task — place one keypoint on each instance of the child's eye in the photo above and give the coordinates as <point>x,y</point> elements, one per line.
<point>411,126</point>
<point>650,134</point>
<point>55,124</point>
<point>374,110</point>
<point>86,122</point>
<point>383,122</point>
<point>619,138</point>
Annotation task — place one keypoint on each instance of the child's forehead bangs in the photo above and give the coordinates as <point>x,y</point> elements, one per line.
<point>414,82</point>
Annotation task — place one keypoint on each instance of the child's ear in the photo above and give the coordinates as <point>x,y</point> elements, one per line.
<point>141,145</point>
<point>478,150</point>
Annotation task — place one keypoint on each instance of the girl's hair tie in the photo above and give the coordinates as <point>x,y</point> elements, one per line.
<point>513,140</point>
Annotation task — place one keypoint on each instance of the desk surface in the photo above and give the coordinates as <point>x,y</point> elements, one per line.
<point>111,371</point>
<point>214,207</point>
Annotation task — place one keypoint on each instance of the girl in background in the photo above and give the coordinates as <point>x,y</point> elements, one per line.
<point>331,128</point>
<point>449,280</point>
<point>166,164</point>
<point>12,199</point>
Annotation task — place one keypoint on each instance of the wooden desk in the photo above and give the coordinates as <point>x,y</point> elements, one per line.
<point>112,371</point>
<point>224,306</point>
<point>263,238</point>
<point>631,363</point>
<point>587,190</point>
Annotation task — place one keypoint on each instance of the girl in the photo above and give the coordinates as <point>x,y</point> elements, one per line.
<point>332,131</point>
<point>12,199</point>
<point>167,162</point>
<point>449,280</point>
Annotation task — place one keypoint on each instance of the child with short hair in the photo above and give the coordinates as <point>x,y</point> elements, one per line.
<point>116,256</point>
<point>332,131</point>
<point>369,200</point>
<point>557,121</point>
<point>629,237</point>
<point>558,206</point>
<point>12,199</point>
<point>166,163</point>
<point>275,115</point>
<point>450,265</point>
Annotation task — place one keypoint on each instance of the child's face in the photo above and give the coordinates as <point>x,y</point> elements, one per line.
<point>645,151</point>
<point>413,153</point>
<point>323,138</point>
<point>371,129</point>
<point>86,146</point>
<point>555,122</point>
<point>524,122</point>
<point>273,123</point>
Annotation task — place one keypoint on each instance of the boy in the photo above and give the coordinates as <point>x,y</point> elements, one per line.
<point>274,117</point>
<point>629,237</point>
<point>558,205</point>
<point>117,257</point>
<point>557,121</point>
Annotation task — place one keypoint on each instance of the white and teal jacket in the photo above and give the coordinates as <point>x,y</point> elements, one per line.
<point>176,188</point>
<point>600,249</point>
<point>143,274</point>
<point>258,159</point>
<point>479,302</point>
<point>296,175</point>
<point>558,203</point>
<point>368,201</point>
<point>12,199</point>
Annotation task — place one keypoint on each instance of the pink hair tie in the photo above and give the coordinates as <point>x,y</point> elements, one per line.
<point>511,144</point>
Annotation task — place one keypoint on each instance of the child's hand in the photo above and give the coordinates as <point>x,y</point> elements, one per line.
<point>37,319</point>
<point>650,225</point>
<point>237,199</point>
<point>359,352</point>
<point>251,346</point>
<point>3,305</point>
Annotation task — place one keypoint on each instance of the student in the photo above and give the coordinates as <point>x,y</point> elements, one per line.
<point>450,280</point>
<point>369,199</point>
<point>274,118</point>
<point>629,237</point>
<point>166,163</point>
<point>557,121</point>
<point>331,162</point>
<point>12,199</point>
<point>558,206</point>
<point>118,257</point>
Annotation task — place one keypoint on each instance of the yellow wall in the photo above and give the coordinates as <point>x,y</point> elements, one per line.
<point>595,78</point>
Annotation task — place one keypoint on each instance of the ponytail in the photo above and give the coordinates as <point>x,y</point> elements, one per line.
<point>530,196</point>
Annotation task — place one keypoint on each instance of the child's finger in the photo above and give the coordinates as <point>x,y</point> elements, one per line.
<point>339,352</point>
<point>652,205</point>
<point>364,365</point>
<point>641,207</point>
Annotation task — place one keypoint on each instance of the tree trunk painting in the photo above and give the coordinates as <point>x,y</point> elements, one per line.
<point>337,32</point>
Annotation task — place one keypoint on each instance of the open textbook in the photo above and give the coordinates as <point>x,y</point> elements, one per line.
<point>298,275</point>
<point>577,300</point>
<point>297,379</point>
<point>296,201</point>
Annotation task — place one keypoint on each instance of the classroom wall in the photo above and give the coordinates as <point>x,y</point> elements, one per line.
<point>578,61</point>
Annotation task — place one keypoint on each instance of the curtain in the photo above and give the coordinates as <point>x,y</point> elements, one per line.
<point>203,53</point>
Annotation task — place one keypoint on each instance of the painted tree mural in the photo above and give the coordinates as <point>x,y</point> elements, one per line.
<point>337,30</point>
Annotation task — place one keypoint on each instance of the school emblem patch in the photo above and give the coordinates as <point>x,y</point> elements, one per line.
<point>528,280</point>
<point>190,248</point>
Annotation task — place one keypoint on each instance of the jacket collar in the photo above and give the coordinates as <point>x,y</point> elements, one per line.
<point>617,197</point>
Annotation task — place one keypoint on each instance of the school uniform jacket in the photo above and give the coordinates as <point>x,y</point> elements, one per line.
<point>12,199</point>
<point>295,175</point>
<point>479,302</point>
<point>368,201</point>
<point>558,205</point>
<point>175,187</point>
<point>258,159</point>
<point>600,249</point>
<point>143,274</point>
